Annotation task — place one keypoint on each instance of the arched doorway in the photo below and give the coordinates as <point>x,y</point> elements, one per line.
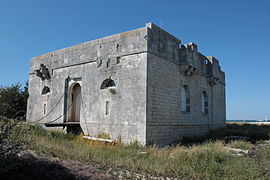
<point>75,108</point>
<point>75,103</point>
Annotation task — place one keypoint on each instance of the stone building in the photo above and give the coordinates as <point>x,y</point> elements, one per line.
<point>138,85</point>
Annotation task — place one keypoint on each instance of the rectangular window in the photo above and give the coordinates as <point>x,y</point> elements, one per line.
<point>117,60</point>
<point>188,108</point>
<point>107,107</point>
<point>204,103</point>
<point>206,107</point>
<point>187,101</point>
<point>187,104</point>
<point>44,108</point>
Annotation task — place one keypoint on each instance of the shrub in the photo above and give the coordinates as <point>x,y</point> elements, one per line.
<point>13,101</point>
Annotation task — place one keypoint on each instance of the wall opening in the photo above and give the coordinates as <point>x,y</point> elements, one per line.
<point>185,99</point>
<point>117,60</point>
<point>107,83</point>
<point>44,108</point>
<point>74,110</point>
<point>204,102</point>
<point>75,103</point>
<point>107,108</point>
<point>45,90</point>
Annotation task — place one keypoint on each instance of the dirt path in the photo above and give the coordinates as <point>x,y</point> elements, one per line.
<point>28,165</point>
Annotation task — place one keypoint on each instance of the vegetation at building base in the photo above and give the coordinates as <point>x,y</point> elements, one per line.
<point>13,101</point>
<point>203,160</point>
<point>252,132</point>
<point>103,135</point>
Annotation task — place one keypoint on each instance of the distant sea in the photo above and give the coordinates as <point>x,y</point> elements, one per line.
<point>247,120</point>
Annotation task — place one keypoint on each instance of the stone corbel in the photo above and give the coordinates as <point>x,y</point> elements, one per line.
<point>213,81</point>
<point>39,74</point>
<point>190,70</point>
<point>43,72</point>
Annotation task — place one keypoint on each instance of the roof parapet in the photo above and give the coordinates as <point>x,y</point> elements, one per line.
<point>191,46</point>
<point>151,25</point>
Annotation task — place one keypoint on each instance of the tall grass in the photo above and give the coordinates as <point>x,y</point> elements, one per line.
<point>252,131</point>
<point>207,160</point>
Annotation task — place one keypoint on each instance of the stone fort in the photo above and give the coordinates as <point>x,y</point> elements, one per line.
<point>138,85</point>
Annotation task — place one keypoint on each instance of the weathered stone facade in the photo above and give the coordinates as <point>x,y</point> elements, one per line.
<point>138,85</point>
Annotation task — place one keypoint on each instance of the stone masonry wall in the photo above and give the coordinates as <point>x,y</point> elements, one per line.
<point>167,65</point>
<point>165,120</point>
<point>148,69</point>
<point>122,58</point>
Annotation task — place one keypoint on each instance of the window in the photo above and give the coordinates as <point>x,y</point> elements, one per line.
<point>107,107</point>
<point>185,99</point>
<point>117,60</point>
<point>107,83</point>
<point>44,108</point>
<point>45,90</point>
<point>204,102</point>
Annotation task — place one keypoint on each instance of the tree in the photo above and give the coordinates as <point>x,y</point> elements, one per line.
<point>13,101</point>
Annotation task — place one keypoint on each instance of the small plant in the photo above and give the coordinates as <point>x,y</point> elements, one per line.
<point>103,135</point>
<point>134,143</point>
<point>119,139</point>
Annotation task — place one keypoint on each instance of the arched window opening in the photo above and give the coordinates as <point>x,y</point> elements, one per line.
<point>204,102</point>
<point>107,83</point>
<point>45,90</point>
<point>185,99</point>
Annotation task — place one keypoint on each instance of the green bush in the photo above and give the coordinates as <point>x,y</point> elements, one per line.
<point>13,101</point>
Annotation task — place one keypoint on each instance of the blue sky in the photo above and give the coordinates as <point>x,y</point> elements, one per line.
<point>237,32</point>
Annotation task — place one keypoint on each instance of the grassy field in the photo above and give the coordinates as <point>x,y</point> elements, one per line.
<point>204,157</point>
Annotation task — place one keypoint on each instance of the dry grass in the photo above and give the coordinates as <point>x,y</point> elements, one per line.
<point>208,160</point>
<point>103,135</point>
<point>240,144</point>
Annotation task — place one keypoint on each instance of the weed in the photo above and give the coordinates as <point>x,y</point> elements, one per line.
<point>103,135</point>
